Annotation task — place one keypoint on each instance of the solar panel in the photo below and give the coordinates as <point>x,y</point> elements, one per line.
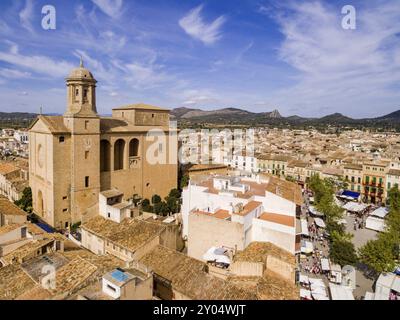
<point>119,276</point>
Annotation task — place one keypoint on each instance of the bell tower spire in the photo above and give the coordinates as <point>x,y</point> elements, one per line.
<point>81,93</point>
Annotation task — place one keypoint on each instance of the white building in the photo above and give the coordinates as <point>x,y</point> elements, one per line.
<point>112,207</point>
<point>244,163</point>
<point>233,211</point>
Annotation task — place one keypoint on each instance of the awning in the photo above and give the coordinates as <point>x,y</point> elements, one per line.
<point>320,223</point>
<point>305,294</point>
<point>304,279</point>
<point>317,296</point>
<point>304,227</point>
<point>396,285</point>
<point>351,194</point>
<point>315,212</point>
<point>354,207</point>
<point>325,265</point>
<point>339,292</point>
<point>306,246</point>
<point>217,255</point>
<point>380,212</point>
<point>375,223</point>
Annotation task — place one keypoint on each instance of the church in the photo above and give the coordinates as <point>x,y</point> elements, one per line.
<point>74,157</point>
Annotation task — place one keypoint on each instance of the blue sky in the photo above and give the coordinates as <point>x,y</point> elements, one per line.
<point>253,54</point>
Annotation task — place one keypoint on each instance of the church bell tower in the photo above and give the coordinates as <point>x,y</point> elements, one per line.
<point>83,122</point>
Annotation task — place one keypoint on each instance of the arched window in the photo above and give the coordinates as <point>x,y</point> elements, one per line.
<point>119,148</point>
<point>40,205</point>
<point>134,148</point>
<point>105,156</point>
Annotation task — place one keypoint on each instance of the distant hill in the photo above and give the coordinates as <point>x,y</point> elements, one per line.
<point>17,115</point>
<point>244,117</point>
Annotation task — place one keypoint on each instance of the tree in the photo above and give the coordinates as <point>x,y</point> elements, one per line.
<point>161,208</point>
<point>173,200</point>
<point>146,205</point>
<point>394,199</point>
<point>25,203</point>
<point>174,193</point>
<point>379,255</point>
<point>155,199</point>
<point>342,252</point>
<point>184,181</point>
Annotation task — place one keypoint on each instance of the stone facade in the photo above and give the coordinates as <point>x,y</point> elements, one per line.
<point>75,156</point>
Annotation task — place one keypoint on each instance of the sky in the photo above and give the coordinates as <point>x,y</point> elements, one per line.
<point>257,55</point>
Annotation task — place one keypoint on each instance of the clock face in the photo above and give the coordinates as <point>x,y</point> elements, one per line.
<point>40,156</point>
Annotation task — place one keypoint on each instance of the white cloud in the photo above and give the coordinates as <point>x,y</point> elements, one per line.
<point>341,70</point>
<point>14,74</point>
<point>112,8</point>
<point>40,64</point>
<point>26,15</point>
<point>194,25</point>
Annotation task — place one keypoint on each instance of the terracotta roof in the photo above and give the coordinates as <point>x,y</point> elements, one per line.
<point>110,124</point>
<point>14,282</point>
<point>130,233</point>
<point>258,252</point>
<point>8,228</point>
<point>6,168</point>
<point>394,172</point>
<point>221,214</point>
<point>54,123</point>
<point>270,286</point>
<point>353,166</point>
<point>140,106</point>
<point>249,207</point>
<point>278,218</point>
<point>189,276</point>
<point>9,208</point>
<point>71,275</point>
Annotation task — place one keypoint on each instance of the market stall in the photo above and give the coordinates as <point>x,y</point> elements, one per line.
<point>320,223</point>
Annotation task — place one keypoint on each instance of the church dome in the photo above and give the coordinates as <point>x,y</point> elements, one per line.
<point>81,73</point>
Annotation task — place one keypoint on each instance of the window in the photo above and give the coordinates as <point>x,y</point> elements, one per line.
<point>66,225</point>
<point>61,139</point>
<point>86,154</point>
<point>85,93</point>
<point>111,288</point>
<point>86,182</point>
<point>77,92</point>
<point>86,124</point>
<point>108,215</point>
<point>65,210</point>
<point>152,115</point>
<point>65,198</point>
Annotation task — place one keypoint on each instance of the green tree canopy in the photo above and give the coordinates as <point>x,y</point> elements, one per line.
<point>25,203</point>
<point>343,252</point>
<point>155,199</point>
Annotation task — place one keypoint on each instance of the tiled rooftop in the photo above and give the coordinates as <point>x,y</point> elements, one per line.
<point>130,233</point>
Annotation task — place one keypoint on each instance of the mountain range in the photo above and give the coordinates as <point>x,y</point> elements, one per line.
<point>243,117</point>
<point>240,116</point>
